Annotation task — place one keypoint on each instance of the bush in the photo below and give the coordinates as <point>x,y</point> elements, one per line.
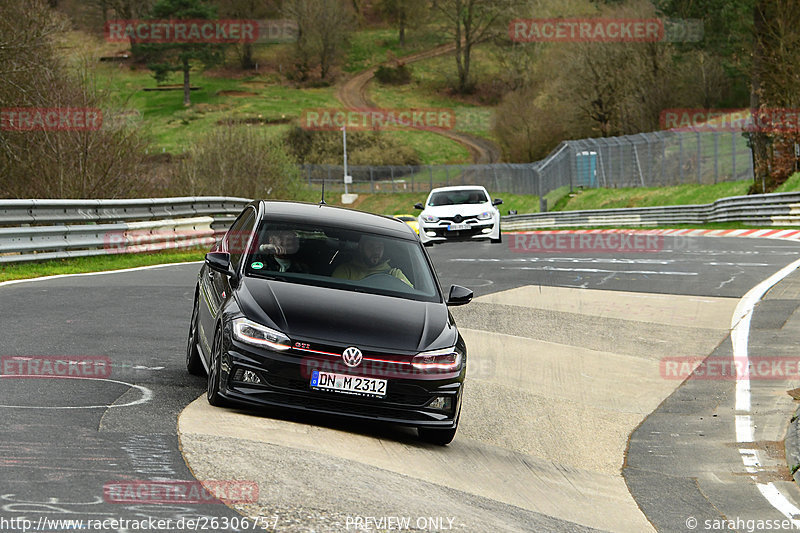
<point>399,75</point>
<point>236,161</point>
<point>363,148</point>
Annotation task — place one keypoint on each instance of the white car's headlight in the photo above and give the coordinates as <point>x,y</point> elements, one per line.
<point>429,218</point>
<point>447,359</point>
<point>486,215</point>
<point>248,331</point>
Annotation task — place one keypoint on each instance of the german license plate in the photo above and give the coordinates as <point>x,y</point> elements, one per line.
<point>348,384</point>
<point>457,227</point>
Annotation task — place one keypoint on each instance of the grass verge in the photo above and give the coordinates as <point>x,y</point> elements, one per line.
<point>76,265</point>
<point>652,196</point>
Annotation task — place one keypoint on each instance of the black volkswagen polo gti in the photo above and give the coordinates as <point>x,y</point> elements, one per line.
<point>329,310</point>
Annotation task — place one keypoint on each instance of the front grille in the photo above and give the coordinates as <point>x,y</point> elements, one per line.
<point>458,219</point>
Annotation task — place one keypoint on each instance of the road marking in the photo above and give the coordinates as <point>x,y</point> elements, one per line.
<point>147,394</point>
<point>745,430</point>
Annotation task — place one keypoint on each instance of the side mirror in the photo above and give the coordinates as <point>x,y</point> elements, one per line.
<point>220,262</point>
<point>419,205</point>
<point>459,295</point>
<point>497,201</point>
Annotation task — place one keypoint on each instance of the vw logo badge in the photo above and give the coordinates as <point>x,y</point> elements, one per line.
<point>352,356</point>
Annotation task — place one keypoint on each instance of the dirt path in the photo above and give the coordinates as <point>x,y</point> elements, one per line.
<point>353,94</point>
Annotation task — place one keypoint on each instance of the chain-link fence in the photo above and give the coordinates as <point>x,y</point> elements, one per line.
<point>644,160</point>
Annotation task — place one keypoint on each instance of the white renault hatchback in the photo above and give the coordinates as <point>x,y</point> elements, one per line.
<point>462,213</point>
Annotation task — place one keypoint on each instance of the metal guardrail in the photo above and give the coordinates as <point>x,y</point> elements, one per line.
<point>34,230</point>
<point>775,209</point>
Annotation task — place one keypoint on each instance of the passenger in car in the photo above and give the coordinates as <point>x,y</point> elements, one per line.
<point>370,261</point>
<point>281,246</point>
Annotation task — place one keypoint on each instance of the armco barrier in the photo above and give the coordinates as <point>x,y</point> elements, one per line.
<point>775,209</point>
<point>33,230</point>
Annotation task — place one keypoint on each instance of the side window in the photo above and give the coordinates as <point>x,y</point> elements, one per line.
<point>237,237</point>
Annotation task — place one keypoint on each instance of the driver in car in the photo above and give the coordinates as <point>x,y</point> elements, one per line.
<point>370,261</point>
<point>282,245</point>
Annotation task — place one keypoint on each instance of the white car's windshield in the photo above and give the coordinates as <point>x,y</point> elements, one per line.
<point>465,196</point>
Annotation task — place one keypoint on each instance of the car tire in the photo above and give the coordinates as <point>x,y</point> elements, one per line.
<point>498,240</point>
<point>215,373</point>
<point>427,244</point>
<point>193,363</point>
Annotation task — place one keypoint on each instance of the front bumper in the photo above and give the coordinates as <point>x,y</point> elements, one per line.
<point>439,232</point>
<point>284,381</point>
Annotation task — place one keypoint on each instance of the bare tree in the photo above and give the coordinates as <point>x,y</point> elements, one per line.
<point>245,9</point>
<point>403,14</point>
<point>323,30</point>
<point>468,23</point>
<point>79,162</point>
<point>236,161</point>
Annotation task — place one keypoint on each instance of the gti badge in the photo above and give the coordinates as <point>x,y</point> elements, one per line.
<point>352,356</point>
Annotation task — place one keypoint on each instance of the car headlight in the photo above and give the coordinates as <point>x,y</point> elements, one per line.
<point>486,215</point>
<point>251,333</point>
<point>429,218</point>
<point>447,359</point>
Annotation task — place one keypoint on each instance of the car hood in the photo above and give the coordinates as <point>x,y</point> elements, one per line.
<point>312,313</point>
<point>465,210</point>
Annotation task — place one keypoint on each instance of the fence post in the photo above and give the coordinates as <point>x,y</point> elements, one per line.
<point>391,171</point>
<point>430,176</point>
<point>699,159</point>
<point>716,156</point>
<point>733,155</point>
<point>371,181</point>
<point>680,156</point>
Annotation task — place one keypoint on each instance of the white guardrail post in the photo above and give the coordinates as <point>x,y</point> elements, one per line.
<point>35,230</point>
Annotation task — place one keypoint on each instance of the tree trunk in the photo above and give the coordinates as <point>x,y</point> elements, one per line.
<point>186,86</point>
<point>758,138</point>
<point>247,56</point>
<point>402,22</point>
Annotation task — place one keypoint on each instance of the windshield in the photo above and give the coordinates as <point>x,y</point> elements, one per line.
<point>465,196</point>
<point>341,259</point>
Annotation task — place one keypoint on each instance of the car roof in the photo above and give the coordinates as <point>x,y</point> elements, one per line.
<point>339,217</point>
<point>459,188</point>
